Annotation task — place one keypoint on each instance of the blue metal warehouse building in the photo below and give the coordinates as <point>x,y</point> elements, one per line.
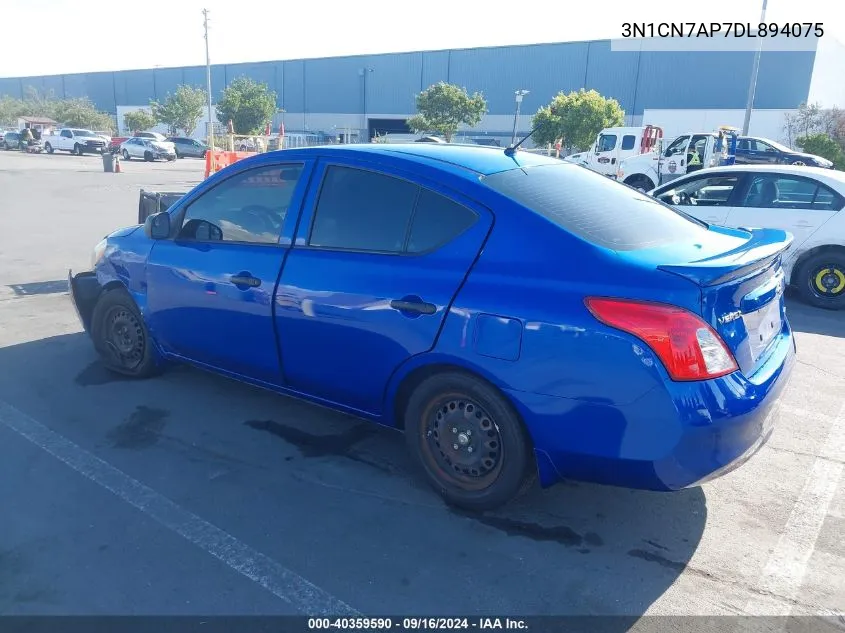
<point>375,93</point>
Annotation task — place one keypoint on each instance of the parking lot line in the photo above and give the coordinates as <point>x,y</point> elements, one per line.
<point>240,557</point>
<point>784,572</point>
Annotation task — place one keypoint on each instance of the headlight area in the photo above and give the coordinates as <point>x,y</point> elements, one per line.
<point>97,255</point>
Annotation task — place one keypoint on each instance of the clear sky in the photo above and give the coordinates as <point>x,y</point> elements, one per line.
<point>63,37</point>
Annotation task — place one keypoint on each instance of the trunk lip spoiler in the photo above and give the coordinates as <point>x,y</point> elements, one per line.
<point>765,247</point>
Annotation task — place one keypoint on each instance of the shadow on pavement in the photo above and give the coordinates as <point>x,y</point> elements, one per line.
<point>40,288</point>
<point>338,500</point>
<point>806,318</point>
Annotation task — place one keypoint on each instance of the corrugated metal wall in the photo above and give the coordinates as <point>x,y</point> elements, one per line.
<point>338,85</point>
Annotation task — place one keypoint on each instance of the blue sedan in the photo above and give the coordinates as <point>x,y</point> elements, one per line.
<point>516,316</point>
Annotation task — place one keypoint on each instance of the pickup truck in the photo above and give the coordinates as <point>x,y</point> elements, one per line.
<point>74,140</point>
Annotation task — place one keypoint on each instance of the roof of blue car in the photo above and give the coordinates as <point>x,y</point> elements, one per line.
<point>476,158</point>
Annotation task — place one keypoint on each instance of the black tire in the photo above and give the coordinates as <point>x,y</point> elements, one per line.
<point>798,163</point>
<point>148,156</point>
<point>49,148</point>
<point>642,183</point>
<point>821,279</point>
<point>121,337</point>
<point>126,155</point>
<point>77,149</point>
<point>456,409</point>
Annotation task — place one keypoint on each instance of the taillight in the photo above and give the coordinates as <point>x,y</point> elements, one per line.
<point>688,347</point>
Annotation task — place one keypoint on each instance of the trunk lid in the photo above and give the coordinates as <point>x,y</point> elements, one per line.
<point>742,291</point>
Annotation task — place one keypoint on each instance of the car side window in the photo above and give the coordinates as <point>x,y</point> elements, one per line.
<point>67,134</point>
<point>437,220</point>
<point>712,191</point>
<point>760,146</point>
<point>362,210</point>
<point>606,143</point>
<point>677,147</point>
<point>770,191</point>
<point>248,207</point>
<point>628,141</point>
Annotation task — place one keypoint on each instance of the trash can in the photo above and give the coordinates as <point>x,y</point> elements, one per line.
<point>108,162</point>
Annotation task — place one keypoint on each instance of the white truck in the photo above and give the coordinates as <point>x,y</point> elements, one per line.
<point>74,140</point>
<point>615,144</point>
<point>657,167</point>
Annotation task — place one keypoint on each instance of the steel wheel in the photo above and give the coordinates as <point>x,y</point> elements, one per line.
<point>828,281</point>
<point>123,335</point>
<point>468,441</point>
<point>463,442</point>
<point>799,163</point>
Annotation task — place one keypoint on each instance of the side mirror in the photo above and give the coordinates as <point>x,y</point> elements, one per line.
<point>157,226</point>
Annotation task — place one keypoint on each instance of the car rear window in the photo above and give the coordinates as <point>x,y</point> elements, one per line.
<point>595,208</point>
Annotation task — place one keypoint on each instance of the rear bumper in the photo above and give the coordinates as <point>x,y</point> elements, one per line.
<point>84,290</point>
<point>675,436</point>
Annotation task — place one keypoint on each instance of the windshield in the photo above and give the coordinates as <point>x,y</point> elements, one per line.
<point>595,208</point>
<point>83,133</point>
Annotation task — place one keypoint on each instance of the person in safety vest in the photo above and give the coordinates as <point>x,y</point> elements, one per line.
<point>693,160</point>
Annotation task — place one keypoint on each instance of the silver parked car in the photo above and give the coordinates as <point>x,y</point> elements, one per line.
<point>147,148</point>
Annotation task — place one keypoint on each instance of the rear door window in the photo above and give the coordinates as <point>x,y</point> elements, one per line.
<point>595,208</point>
<point>437,221</point>
<point>772,191</point>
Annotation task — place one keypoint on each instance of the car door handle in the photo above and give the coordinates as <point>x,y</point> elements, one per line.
<point>410,305</point>
<point>245,280</point>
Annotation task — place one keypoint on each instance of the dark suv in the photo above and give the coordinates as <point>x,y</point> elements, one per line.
<point>188,147</point>
<point>752,150</point>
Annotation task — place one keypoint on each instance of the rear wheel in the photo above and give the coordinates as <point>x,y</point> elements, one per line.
<point>821,280</point>
<point>469,441</point>
<point>121,337</point>
<point>799,163</point>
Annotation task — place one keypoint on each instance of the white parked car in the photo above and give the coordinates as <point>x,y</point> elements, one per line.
<point>147,148</point>
<point>806,201</point>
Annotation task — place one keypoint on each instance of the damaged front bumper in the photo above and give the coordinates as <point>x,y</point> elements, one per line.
<point>84,290</point>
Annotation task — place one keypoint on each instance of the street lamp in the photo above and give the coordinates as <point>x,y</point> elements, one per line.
<point>755,68</point>
<point>519,94</point>
<point>363,72</point>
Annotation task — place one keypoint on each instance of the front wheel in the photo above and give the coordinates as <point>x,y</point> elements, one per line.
<point>821,280</point>
<point>121,337</point>
<point>49,148</point>
<point>469,442</point>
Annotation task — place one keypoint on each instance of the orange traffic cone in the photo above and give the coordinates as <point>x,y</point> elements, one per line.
<point>117,164</point>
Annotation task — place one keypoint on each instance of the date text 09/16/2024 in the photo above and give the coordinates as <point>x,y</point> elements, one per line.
<point>416,624</point>
<point>722,29</point>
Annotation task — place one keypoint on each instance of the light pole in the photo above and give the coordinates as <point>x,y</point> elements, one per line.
<point>208,82</point>
<point>754,70</point>
<point>519,94</point>
<point>364,72</point>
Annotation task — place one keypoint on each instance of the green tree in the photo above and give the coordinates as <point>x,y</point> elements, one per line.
<point>576,118</point>
<point>10,110</point>
<point>139,121</point>
<point>249,104</point>
<point>824,146</point>
<point>181,110</point>
<point>442,107</point>
<point>81,112</point>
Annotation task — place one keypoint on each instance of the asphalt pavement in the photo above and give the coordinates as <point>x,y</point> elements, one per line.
<point>193,494</point>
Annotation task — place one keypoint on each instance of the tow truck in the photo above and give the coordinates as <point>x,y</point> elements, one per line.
<point>615,144</point>
<point>647,171</point>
